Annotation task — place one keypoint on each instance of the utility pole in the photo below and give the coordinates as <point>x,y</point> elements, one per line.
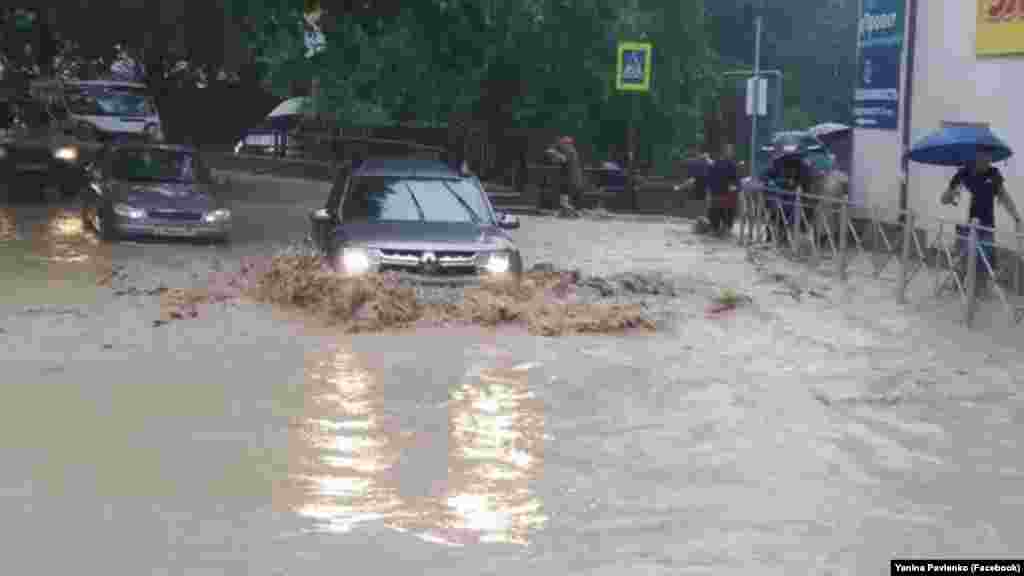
<point>757,91</point>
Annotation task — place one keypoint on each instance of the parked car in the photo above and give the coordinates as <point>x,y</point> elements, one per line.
<point>104,110</point>
<point>271,136</point>
<point>799,144</point>
<point>418,217</point>
<point>36,156</point>
<point>154,190</point>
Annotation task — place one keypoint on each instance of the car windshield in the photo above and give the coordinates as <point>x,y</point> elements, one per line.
<point>110,101</point>
<point>155,165</point>
<point>414,200</point>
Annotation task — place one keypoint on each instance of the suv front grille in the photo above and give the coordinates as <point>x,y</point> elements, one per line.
<point>448,261</point>
<point>177,216</point>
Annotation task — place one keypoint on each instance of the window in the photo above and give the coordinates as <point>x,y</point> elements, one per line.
<point>110,101</point>
<point>412,199</point>
<point>156,165</point>
<point>380,198</point>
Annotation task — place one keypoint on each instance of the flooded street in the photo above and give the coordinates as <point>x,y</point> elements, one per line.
<point>791,436</point>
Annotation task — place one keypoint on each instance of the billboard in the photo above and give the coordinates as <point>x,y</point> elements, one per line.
<point>877,97</point>
<point>1000,29</point>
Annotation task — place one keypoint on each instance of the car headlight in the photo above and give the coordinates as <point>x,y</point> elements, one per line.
<point>216,216</point>
<point>356,261</point>
<point>238,147</point>
<point>66,153</point>
<point>498,262</point>
<point>127,211</point>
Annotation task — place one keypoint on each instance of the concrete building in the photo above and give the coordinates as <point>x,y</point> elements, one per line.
<point>958,64</point>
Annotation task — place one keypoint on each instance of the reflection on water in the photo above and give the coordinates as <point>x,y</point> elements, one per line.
<point>57,235</point>
<point>47,256</point>
<point>350,458</point>
<point>8,229</point>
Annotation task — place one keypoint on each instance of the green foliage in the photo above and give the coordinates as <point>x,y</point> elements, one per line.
<point>520,63</point>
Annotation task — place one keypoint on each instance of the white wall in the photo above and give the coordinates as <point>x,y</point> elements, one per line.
<point>951,83</point>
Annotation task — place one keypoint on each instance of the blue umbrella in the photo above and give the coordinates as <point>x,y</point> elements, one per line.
<point>957,145</point>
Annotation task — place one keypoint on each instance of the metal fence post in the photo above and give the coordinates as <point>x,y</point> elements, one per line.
<point>1017,268</point>
<point>972,273</point>
<point>844,239</point>
<point>797,221</point>
<point>908,239</point>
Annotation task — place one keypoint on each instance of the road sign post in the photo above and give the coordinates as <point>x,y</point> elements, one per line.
<point>632,75</point>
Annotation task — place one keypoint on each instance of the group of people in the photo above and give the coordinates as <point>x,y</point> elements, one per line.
<point>717,180</point>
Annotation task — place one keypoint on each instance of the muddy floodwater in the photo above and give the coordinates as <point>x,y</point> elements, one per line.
<point>819,434</point>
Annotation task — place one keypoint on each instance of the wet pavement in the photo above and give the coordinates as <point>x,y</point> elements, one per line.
<point>821,435</point>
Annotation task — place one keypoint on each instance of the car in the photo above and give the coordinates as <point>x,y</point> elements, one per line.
<point>161,190</point>
<point>802,144</point>
<point>418,218</point>
<point>35,154</point>
<point>272,136</point>
<point>104,110</point>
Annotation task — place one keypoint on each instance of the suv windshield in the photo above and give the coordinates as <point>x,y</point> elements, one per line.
<point>109,101</point>
<point>414,200</point>
<point>156,165</point>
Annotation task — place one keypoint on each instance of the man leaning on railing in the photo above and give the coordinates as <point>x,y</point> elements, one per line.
<point>986,184</point>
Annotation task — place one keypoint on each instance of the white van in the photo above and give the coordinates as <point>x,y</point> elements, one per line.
<point>107,109</point>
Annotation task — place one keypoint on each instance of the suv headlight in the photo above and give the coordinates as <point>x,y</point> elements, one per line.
<point>127,211</point>
<point>497,262</point>
<point>66,153</point>
<point>355,261</point>
<point>217,216</point>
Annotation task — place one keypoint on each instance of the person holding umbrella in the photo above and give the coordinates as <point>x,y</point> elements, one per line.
<point>986,184</point>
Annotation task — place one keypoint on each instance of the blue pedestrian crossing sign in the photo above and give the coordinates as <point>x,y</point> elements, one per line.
<point>633,70</point>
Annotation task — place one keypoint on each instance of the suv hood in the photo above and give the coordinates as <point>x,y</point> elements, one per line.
<point>168,196</point>
<point>425,235</point>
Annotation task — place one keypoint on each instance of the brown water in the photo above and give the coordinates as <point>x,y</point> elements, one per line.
<point>47,256</point>
<point>787,437</point>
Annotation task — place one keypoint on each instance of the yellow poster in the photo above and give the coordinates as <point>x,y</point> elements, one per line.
<point>1000,27</point>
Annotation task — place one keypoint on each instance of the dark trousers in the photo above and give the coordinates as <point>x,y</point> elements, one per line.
<point>722,218</point>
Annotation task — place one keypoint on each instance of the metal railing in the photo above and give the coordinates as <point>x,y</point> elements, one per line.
<point>812,229</point>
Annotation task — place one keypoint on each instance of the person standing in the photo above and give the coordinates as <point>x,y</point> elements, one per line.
<point>564,153</point>
<point>723,186</point>
<point>986,185</point>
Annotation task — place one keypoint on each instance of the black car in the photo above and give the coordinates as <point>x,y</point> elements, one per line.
<point>36,155</point>
<point>415,216</point>
<point>159,190</point>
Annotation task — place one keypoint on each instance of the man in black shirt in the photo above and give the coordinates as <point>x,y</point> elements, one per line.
<point>723,188</point>
<point>985,183</point>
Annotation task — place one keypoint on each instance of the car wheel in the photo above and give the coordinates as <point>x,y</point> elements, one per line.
<point>106,224</point>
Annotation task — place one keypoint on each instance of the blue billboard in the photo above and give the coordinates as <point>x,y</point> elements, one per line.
<point>877,97</point>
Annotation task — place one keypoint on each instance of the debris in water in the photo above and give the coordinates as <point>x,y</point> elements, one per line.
<point>545,299</point>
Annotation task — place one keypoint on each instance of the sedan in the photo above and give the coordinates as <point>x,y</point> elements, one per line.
<point>154,190</point>
<point>416,217</point>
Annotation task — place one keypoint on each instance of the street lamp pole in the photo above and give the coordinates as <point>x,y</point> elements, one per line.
<point>757,92</point>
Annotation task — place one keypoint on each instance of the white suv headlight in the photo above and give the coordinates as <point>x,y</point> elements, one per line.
<point>66,153</point>
<point>127,211</point>
<point>216,216</point>
<point>498,262</point>
<point>356,261</point>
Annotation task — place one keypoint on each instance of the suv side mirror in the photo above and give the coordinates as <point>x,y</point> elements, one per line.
<point>507,221</point>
